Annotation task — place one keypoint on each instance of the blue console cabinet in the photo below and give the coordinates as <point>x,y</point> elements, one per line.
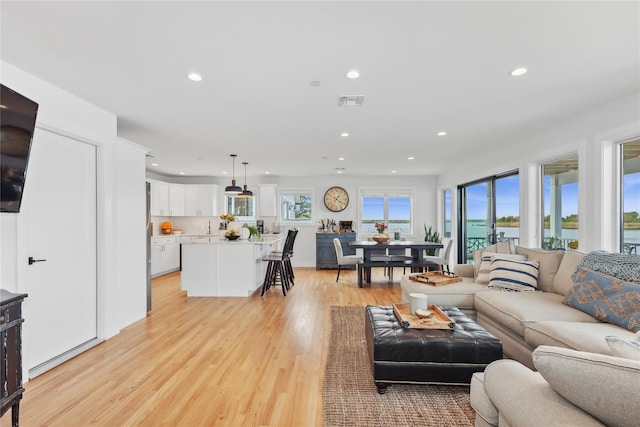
<point>326,253</point>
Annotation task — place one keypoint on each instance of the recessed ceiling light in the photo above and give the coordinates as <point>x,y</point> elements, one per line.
<point>267,172</point>
<point>194,77</point>
<point>181,173</point>
<point>340,158</point>
<point>410,158</point>
<point>353,74</point>
<point>442,133</point>
<point>344,134</point>
<point>224,173</point>
<point>393,171</point>
<point>154,164</point>
<point>518,71</point>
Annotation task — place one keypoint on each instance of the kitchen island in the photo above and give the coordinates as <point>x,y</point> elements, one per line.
<point>212,267</point>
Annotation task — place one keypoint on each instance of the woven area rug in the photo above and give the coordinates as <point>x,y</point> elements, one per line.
<point>350,398</point>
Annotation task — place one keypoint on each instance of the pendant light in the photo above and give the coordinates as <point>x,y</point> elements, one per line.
<point>233,189</point>
<point>245,193</point>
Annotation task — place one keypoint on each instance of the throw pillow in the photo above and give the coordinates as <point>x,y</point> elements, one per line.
<point>485,265</point>
<point>606,298</point>
<point>504,247</point>
<point>622,266</point>
<point>621,347</point>
<point>600,385</point>
<point>513,275</point>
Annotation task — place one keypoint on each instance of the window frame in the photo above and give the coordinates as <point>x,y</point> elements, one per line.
<point>386,192</point>
<point>253,217</point>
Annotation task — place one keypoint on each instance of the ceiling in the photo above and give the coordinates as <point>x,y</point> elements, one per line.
<point>425,67</point>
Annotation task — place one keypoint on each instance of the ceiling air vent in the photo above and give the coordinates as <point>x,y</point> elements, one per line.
<point>350,100</point>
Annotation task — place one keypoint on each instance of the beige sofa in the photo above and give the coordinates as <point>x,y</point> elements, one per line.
<point>525,320</point>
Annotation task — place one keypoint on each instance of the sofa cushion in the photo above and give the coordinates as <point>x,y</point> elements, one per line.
<point>582,336</point>
<point>627,348</point>
<point>504,247</point>
<point>487,260</point>
<point>480,402</point>
<point>549,263</point>
<point>604,386</point>
<point>606,298</point>
<point>515,310</point>
<point>524,398</point>
<point>562,281</point>
<point>622,266</point>
<point>512,275</point>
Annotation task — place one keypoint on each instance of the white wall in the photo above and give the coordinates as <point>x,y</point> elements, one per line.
<point>121,279</point>
<point>592,136</point>
<point>305,255</point>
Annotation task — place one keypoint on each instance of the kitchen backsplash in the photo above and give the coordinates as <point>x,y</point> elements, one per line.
<point>199,224</point>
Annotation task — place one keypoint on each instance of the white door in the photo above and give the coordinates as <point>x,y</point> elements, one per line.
<point>60,220</point>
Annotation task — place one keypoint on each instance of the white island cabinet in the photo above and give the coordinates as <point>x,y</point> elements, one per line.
<point>220,268</point>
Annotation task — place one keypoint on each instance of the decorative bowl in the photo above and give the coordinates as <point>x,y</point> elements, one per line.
<point>380,239</point>
<point>232,237</point>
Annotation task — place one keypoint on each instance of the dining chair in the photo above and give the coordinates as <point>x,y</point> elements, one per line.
<point>442,259</point>
<point>344,259</point>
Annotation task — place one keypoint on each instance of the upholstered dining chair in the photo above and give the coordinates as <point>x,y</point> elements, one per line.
<point>344,259</point>
<point>443,258</point>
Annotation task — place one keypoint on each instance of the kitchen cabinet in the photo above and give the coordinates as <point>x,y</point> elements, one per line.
<point>326,252</point>
<point>200,200</point>
<point>268,200</point>
<point>165,255</point>
<point>176,200</point>
<point>159,198</point>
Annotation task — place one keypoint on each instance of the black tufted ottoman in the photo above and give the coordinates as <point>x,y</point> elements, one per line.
<point>419,356</point>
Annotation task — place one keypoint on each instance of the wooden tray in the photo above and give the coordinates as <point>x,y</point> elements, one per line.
<point>436,278</point>
<point>408,320</point>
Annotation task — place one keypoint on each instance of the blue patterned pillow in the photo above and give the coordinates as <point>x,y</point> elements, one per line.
<point>513,275</point>
<point>606,298</point>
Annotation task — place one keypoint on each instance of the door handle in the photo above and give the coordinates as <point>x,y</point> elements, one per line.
<point>31,260</point>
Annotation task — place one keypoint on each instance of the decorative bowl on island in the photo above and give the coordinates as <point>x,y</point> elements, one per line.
<point>235,237</point>
<point>381,239</point>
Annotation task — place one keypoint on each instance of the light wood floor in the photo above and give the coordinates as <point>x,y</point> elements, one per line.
<point>207,361</point>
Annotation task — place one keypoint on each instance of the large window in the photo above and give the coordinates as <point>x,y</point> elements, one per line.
<point>489,212</point>
<point>391,207</point>
<point>242,208</point>
<point>630,198</point>
<point>447,212</point>
<point>560,204</point>
<point>296,205</point>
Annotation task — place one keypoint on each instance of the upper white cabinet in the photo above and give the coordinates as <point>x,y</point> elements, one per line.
<point>159,198</point>
<point>200,200</point>
<point>176,200</point>
<point>268,200</point>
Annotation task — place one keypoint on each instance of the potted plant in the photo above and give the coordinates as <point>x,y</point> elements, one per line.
<point>431,235</point>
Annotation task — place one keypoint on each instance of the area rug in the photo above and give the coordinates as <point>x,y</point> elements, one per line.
<point>350,398</point>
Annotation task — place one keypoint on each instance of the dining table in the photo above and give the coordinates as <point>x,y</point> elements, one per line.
<point>384,254</point>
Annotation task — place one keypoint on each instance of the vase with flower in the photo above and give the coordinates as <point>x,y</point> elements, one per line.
<point>382,236</point>
<point>226,219</point>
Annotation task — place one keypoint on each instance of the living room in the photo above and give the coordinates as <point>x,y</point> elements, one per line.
<point>584,114</point>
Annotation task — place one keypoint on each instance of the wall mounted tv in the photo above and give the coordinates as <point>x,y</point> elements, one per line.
<point>17,123</point>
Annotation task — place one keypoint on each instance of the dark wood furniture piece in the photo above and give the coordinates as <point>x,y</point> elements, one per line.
<point>426,356</point>
<point>326,252</point>
<point>370,250</point>
<point>11,353</point>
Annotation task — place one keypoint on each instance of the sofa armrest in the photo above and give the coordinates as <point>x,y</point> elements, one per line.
<point>523,398</point>
<point>463,270</point>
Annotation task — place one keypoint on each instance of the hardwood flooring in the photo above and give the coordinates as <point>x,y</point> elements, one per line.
<point>256,361</point>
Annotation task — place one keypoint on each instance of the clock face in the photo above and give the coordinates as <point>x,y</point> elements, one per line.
<point>336,199</point>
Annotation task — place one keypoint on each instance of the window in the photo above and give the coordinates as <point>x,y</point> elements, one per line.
<point>296,206</point>
<point>391,207</point>
<point>489,212</point>
<point>447,212</point>
<point>630,198</point>
<point>242,208</point>
<point>560,204</point>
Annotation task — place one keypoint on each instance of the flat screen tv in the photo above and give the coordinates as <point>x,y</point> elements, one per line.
<point>17,123</point>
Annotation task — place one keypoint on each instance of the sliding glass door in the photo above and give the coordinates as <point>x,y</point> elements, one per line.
<point>489,212</point>
<point>630,198</point>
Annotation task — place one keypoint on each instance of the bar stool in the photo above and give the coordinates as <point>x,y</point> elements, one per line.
<point>279,270</point>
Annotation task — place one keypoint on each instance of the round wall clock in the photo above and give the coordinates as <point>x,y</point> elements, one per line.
<point>336,199</point>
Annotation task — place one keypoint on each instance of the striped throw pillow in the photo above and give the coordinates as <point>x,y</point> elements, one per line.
<point>487,260</point>
<point>513,275</point>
